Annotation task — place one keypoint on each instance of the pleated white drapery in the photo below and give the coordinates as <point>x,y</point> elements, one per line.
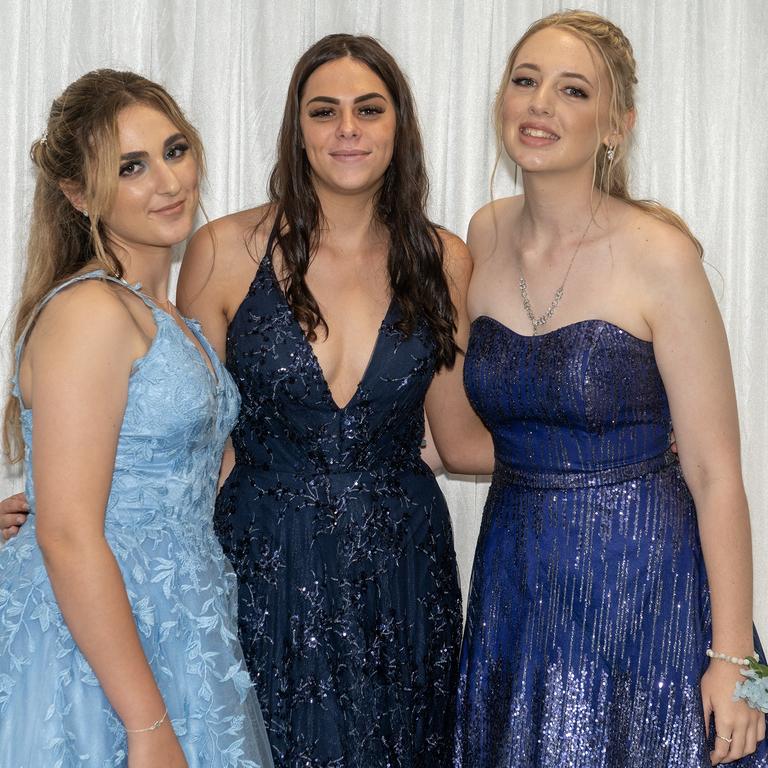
<point>700,138</point>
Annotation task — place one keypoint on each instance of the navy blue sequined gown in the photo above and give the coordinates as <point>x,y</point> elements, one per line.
<point>349,610</point>
<point>589,613</point>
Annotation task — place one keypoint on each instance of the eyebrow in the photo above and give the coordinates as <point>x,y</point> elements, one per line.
<point>142,154</point>
<point>575,75</point>
<point>331,100</point>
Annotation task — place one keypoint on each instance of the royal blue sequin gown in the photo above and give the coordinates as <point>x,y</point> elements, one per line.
<point>159,525</point>
<point>589,615</point>
<point>349,609</point>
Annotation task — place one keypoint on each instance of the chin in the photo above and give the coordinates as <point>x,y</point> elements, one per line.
<point>176,234</point>
<point>349,186</point>
<point>541,161</point>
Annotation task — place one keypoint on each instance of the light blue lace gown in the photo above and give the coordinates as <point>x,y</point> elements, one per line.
<point>53,712</point>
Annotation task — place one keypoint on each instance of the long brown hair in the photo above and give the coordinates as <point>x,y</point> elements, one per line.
<point>415,261</point>
<point>611,171</point>
<point>79,149</point>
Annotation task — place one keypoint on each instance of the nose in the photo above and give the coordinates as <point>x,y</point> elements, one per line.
<point>167,181</point>
<point>541,102</point>
<point>348,127</point>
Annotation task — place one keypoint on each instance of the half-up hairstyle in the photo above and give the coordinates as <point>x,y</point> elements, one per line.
<point>415,261</point>
<point>80,149</point>
<point>604,38</point>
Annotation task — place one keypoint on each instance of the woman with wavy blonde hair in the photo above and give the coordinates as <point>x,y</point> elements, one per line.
<point>610,612</point>
<point>117,625</point>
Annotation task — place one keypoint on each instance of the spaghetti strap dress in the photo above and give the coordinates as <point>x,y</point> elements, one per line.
<point>350,613</point>
<point>182,591</point>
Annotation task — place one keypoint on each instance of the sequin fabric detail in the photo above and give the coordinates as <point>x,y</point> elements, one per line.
<point>589,611</point>
<point>349,608</point>
<point>159,525</point>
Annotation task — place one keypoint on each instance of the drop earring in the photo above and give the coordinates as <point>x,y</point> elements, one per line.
<point>610,152</point>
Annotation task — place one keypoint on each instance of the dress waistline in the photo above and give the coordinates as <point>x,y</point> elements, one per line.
<point>582,479</point>
<point>336,471</point>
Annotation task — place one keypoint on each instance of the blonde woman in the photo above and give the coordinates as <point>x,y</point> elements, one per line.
<point>605,570</point>
<point>117,629</point>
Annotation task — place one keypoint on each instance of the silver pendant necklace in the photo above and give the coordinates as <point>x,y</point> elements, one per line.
<point>537,322</point>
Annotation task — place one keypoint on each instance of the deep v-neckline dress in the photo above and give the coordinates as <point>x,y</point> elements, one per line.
<point>349,604</point>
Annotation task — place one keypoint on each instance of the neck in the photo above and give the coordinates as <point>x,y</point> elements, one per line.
<point>558,207</point>
<point>149,266</point>
<point>348,219</point>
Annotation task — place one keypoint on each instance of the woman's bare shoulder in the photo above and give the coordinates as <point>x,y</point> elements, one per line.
<point>659,250</point>
<point>232,236</point>
<point>456,257</point>
<point>68,317</point>
<point>492,224</point>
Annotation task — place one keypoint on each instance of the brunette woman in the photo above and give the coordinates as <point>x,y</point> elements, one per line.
<point>340,308</point>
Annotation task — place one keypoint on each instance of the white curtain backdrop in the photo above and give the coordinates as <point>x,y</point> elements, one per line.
<point>700,139</point>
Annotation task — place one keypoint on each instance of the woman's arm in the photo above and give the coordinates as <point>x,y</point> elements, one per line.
<point>216,272</point>
<point>201,290</point>
<point>462,441</point>
<point>692,354</point>
<point>78,384</point>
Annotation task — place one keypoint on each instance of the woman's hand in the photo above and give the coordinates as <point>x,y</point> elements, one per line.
<point>672,442</point>
<point>13,514</point>
<point>155,749</point>
<point>738,727</point>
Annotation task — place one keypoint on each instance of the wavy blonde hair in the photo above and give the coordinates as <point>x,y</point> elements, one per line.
<point>79,150</point>
<point>602,37</point>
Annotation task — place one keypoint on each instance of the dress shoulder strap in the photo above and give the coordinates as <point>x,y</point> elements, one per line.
<point>97,274</point>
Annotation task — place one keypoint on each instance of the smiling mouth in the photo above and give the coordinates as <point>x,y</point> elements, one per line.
<point>349,154</point>
<point>170,209</point>
<point>537,133</point>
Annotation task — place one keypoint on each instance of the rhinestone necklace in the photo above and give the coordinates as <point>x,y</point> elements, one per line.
<point>537,322</point>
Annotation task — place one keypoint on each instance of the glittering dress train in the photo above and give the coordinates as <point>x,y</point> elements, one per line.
<point>349,609</point>
<point>589,611</point>
<point>159,525</point>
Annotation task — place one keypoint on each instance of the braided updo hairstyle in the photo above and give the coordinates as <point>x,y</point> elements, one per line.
<point>613,49</point>
<point>80,151</point>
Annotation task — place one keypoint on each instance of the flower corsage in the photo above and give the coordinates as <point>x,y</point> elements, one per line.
<point>754,690</point>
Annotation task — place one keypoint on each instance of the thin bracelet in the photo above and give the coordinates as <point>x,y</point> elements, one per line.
<point>152,727</point>
<point>733,659</point>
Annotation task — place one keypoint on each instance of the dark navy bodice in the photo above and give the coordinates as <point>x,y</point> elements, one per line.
<point>289,420</point>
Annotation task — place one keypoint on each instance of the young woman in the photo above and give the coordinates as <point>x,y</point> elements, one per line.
<point>604,570</point>
<point>340,308</point>
<point>117,629</point>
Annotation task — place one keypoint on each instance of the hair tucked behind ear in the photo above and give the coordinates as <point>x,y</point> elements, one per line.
<point>415,247</point>
<point>615,51</point>
<point>79,150</point>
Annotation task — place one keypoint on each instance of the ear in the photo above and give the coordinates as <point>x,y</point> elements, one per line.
<point>627,124</point>
<point>629,121</point>
<point>74,194</point>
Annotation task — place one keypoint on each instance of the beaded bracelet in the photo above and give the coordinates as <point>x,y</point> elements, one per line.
<point>152,727</point>
<point>733,659</point>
